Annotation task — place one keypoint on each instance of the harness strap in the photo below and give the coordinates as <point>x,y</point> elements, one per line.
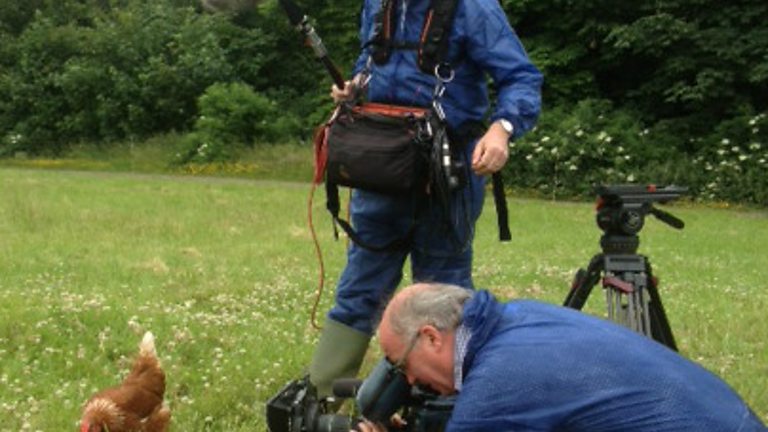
<point>435,34</point>
<point>382,38</point>
<point>432,47</point>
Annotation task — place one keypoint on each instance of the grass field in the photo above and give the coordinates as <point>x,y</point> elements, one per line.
<point>223,271</point>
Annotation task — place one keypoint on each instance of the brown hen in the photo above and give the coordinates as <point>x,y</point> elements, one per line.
<point>136,405</point>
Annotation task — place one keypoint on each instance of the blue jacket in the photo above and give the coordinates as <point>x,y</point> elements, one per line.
<point>481,42</point>
<point>531,366</point>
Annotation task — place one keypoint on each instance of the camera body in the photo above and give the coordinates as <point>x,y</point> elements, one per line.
<point>385,392</point>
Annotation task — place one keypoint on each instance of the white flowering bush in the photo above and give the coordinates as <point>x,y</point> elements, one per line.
<point>733,162</point>
<point>570,150</point>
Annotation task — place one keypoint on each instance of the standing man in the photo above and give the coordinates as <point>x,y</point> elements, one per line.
<point>532,366</point>
<point>481,44</point>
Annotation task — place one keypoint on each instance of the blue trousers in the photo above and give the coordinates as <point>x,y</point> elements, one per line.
<point>441,250</point>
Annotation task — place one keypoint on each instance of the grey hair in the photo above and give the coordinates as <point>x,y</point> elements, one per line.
<point>439,305</point>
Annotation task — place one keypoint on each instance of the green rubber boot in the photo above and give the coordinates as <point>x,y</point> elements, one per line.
<point>338,354</point>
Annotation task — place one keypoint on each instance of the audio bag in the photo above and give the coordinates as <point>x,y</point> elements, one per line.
<point>378,147</point>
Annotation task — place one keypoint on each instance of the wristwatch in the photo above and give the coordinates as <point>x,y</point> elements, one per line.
<point>507,126</point>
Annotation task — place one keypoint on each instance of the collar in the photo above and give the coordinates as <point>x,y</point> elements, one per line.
<point>463,335</point>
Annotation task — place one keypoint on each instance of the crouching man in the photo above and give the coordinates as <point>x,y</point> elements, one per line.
<point>531,366</point>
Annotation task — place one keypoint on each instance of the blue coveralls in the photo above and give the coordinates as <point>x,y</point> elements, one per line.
<point>532,366</point>
<point>481,44</point>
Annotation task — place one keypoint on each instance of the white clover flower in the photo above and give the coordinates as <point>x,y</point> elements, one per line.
<point>743,157</point>
<point>553,151</point>
<point>721,152</point>
<point>725,141</point>
<point>572,167</point>
<point>608,139</point>
<point>631,178</point>
<point>529,157</point>
<point>602,135</point>
<point>735,149</point>
<point>755,146</point>
<point>579,133</point>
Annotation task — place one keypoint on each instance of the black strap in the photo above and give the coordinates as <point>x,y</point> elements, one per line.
<point>332,204</point>
<point>461,137</point>
<point>500,200</point>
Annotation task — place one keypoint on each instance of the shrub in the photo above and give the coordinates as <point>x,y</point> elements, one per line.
<point>733,161</point>
<point>574,148</point>
<point>570,150</point>
<point>232,117</point>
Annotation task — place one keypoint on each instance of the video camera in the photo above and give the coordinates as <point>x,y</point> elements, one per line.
<point>621,211</point>
<point>385,392</point>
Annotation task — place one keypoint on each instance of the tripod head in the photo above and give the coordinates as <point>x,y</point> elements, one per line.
<point>621,211</point>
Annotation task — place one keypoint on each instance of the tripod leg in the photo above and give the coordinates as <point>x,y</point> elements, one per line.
<point>583,283</point>
<point>660,329</point>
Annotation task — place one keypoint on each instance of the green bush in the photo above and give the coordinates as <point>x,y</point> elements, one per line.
<point>131,73</point>
<point>233,117</point>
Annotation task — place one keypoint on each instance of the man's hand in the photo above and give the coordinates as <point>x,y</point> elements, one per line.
<point>492,151</point>
<point>366,426</point>
<point>348,93</point>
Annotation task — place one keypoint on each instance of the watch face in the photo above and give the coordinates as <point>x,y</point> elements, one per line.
<point>507,125</point>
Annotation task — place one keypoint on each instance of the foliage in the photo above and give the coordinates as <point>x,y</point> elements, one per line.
<point>576,147</point>
<point>593,142</point>
<point>734,161</point>
<point>685,71</point>
<point>232,116</point>
<point>135,72</point>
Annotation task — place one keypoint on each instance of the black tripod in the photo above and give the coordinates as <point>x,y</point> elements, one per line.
<point>631,291</point>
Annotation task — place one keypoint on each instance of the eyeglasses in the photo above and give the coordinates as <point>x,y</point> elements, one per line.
<point>399,365</point>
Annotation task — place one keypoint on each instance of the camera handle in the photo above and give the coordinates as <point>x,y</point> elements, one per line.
<point>631,292</point>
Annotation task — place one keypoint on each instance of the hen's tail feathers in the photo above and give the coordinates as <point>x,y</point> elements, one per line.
<point>147,345</point>
<point>159,419</point>
<point>102,411</point>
